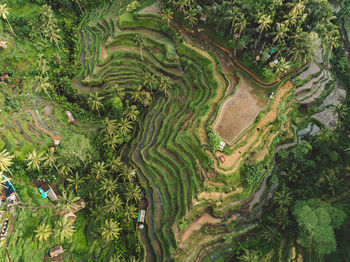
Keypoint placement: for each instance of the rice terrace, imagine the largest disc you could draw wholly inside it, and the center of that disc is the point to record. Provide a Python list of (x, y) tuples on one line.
[(179, 130)]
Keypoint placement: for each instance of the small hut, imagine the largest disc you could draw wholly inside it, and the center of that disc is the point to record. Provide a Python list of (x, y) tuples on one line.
[(47, 191), (70, 117), (56, 251), (3, 44)]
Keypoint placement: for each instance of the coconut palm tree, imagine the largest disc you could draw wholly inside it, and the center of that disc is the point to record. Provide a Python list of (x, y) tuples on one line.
[(332, 39), (140, 42), (333, 183), (116, 164), (110, 126), (191, 16), (35, 160), (133, 192), (4, 11), (264, 23), (128, 175), (281, 32), (43, 232), (137, 95), (130, 212), (54, 36), (94, 101), (282, 67), (64, 168), (99, 169), (124, 126), (75, 181), (165, 84), (110, 230), (231, 16), (108, 185), (241, 24), (167, 15), (111, 141), (271, 234), (283, 199), (113, 204), (298, 8), (64, 229), (50, 160), (148, 81), (5, 160), (42, 84), (67, 202), (341, 110), (132, 113)]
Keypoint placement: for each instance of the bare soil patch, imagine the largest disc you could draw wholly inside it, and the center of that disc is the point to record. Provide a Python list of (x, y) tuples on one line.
[(152, 9), (199, 223), (238, 112)]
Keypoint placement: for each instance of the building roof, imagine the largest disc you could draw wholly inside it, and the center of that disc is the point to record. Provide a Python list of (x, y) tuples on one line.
[(70, 216), (141, 217), (80, 204), (55, 251)]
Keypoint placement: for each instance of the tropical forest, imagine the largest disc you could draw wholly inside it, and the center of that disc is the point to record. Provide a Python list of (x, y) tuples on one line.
[(175, 130)]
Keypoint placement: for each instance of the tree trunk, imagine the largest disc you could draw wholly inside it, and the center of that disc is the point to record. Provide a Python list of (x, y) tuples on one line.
[(10, 27), (79, 6)]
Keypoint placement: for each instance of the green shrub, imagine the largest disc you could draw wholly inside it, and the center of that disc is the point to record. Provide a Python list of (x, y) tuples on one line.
[(214, 139)]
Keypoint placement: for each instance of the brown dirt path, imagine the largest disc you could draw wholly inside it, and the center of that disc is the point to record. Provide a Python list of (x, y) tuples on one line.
[(232, 159), (54, 138)]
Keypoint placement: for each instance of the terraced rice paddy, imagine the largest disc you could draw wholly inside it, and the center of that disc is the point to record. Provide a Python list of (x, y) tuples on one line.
[(170, 149)]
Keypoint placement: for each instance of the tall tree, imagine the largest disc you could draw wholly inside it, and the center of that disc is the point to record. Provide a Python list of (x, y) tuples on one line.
[(99, 169), (94, 101), (130, 211), (75, 181), (4, 11), (113, 204), (264, 23), (66, 202), (132, 113), (124, 126), (35, 160), (167, 15), (5, 160), (165, 84), (43, 232), (133, 192), (64, 229), (108, 186), (110, 230)]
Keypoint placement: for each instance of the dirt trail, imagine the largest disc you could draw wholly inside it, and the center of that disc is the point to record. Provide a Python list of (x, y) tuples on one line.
[(221, 91), (197, 224), (268, 117), (56, 139)]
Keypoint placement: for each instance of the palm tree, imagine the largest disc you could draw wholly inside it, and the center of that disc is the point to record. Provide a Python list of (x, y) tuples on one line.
[(132, 113), (99, 169), (231, 16), (282, 67), (130, 212), (50, 160), (110, 126), (108, 185), (128, 175), (341, 110), (54, 36), (264, 23), (42, 84), (137, 95), (116, 164), (94, 101), (35, 160), (283, 199), (75, 181), (5, 160), (250, 256), (113, 204), (298, 8), (148, 81), (167, 15), (4, 11), (66, 203), (64, 229), (138, 39), (281, 32), (165, 84), (133, 192), (241, 24), (64, 168), (333, 183), (191, 16), (43, 232), (124, 126), (110, 230), (111, 141), (332, 39), (271, 234)]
